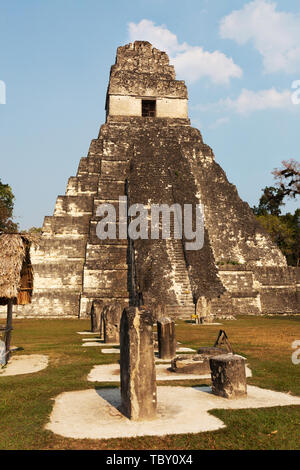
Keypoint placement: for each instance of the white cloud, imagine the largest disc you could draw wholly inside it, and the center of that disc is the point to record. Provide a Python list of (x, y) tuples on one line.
[(159, 36), (195, 63), (191, 62), (275, 34), (219, 122), (250, 101)]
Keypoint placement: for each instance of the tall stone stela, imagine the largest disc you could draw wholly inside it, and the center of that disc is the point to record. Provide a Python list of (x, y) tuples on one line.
[(166, 338), (148, 151), (137, 367)]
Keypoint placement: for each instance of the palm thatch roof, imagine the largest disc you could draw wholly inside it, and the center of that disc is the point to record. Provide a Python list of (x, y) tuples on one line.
[(14, 252)]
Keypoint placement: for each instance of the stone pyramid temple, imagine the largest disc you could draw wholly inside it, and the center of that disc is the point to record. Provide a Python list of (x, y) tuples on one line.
[(148, 151)]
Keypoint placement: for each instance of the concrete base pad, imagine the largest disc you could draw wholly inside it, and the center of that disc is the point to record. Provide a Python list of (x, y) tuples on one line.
[(87, 333), (25, 364), (179, 350), (98, 343), (94, 414), (110, 351), (111, 373), (117, 351), (92, 338)]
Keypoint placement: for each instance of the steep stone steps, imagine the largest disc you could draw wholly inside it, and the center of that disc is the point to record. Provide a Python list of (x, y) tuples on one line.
[(179, 311), (180, 280)]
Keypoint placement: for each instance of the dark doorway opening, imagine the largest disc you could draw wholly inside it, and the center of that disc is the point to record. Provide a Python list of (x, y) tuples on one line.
[(148, 108)]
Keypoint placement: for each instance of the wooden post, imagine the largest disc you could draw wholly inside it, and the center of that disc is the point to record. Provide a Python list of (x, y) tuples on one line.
[(8, 328)]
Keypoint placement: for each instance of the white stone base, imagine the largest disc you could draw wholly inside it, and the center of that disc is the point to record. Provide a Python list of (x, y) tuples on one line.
[(94, 414), (111, 373), (87, 333), (98, 343), (110, 351), (25, 364)]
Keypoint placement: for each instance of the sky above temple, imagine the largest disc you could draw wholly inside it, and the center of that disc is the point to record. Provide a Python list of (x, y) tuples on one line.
[(239, 58)]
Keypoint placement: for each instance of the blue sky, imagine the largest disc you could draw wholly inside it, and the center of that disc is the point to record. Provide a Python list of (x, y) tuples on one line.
[(239, 59)]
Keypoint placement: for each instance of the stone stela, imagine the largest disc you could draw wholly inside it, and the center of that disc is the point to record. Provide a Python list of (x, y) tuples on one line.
[(137, 366), (166, 338), (96, 311), (111, 322)]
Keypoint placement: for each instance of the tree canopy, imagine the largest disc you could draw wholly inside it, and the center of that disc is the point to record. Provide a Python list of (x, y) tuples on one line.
[(283, 229), (288, 177), (6, 209)]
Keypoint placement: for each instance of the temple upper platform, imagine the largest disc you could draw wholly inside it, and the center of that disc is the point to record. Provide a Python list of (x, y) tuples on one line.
[(143, 83)]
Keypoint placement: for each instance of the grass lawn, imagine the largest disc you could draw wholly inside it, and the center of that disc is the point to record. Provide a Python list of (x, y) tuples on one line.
[(26, 400)]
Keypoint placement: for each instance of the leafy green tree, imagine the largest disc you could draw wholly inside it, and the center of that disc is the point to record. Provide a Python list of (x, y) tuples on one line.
[(281, 232), (36, 230), (6, 209), (293, 221), (283, 229), (270, 202)]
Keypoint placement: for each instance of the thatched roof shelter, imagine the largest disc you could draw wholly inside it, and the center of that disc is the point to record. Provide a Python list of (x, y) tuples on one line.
[(16, 280)]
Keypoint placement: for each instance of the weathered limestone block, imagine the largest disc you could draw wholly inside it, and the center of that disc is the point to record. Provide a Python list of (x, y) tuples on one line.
[(228, 374), (166, 338), (195, 363), (137, 367), (74, 206), (51, 303), (111, 322), (191, 364), (78, 185)]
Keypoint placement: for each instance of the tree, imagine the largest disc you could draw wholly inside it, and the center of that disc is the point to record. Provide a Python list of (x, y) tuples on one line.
[(293, 221), (288, 177), (281, 232), (6, 209), (283, 229), (270, 201), (36, 230)]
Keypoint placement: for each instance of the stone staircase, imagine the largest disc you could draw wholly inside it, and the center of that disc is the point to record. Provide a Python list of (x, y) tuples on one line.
[(185, 306)]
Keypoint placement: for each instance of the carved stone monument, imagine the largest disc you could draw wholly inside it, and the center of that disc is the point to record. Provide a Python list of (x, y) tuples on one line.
[(228, 374), (137, 367), (96, 316), (111, 322), (166, 338)]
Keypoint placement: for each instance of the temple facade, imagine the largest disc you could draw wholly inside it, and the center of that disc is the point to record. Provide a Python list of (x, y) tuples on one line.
[(148, 152)]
